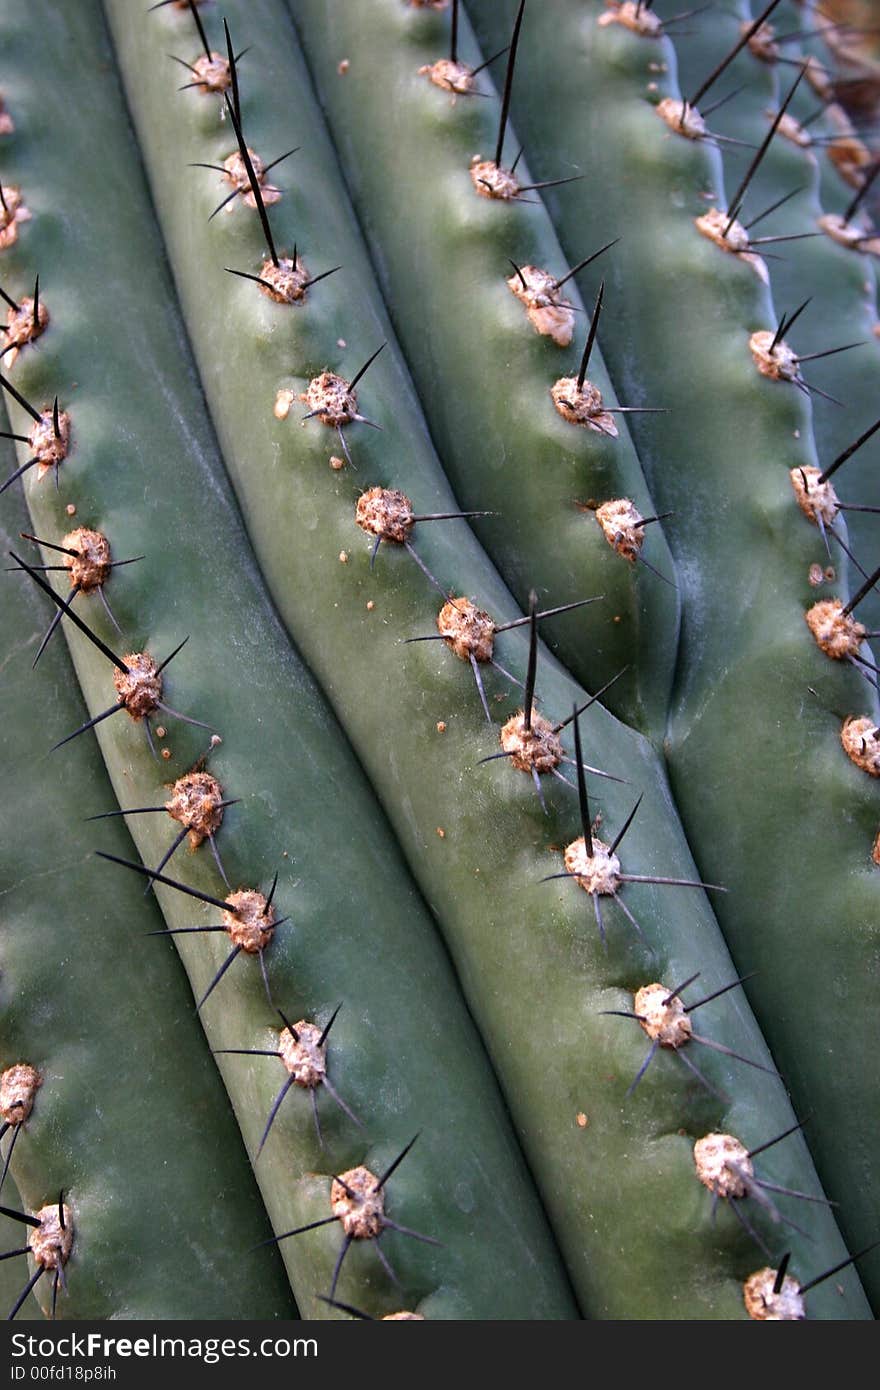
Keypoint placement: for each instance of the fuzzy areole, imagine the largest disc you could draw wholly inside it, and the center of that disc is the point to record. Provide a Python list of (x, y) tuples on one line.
[(90, 566), (725, 231), (582, 405), (304, 1055), (449, 76), (780, 364), (51, 1242), (212, 73), (791, 129), (48, 446), (731, 236), (285, 283), (722, 1165), (466, 629), (664, 1019), (762, 43), (237, 175), (491, 180), (764, 1305), (860, 737), (622, 526), (196, 801), (330, 398), (681, 118), (598, 872), (249, 920), (837, 634), (21, 328), (638, 18), (850, 234), (550, 316), (817, 500), (359, 1203), (18, 1087), (385, 512), (12, 212), (140, 687), (851, 158), (537, 748)]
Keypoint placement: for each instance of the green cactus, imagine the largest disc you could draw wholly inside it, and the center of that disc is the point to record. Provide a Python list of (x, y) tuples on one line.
[(407, 813)]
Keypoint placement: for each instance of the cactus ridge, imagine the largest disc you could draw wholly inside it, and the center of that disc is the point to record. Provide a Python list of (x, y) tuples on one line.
[(494, 836)]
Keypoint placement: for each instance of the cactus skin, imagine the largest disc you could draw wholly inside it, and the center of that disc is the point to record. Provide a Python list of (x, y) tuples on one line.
[(483, 372), (359, 933), (737, 809), (482, 876), (144, 1147)]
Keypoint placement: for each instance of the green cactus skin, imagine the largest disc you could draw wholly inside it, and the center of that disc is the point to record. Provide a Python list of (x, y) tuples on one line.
[(621, 1191), (483, 372), (144, 468), (795, 850), (130, 1119)]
